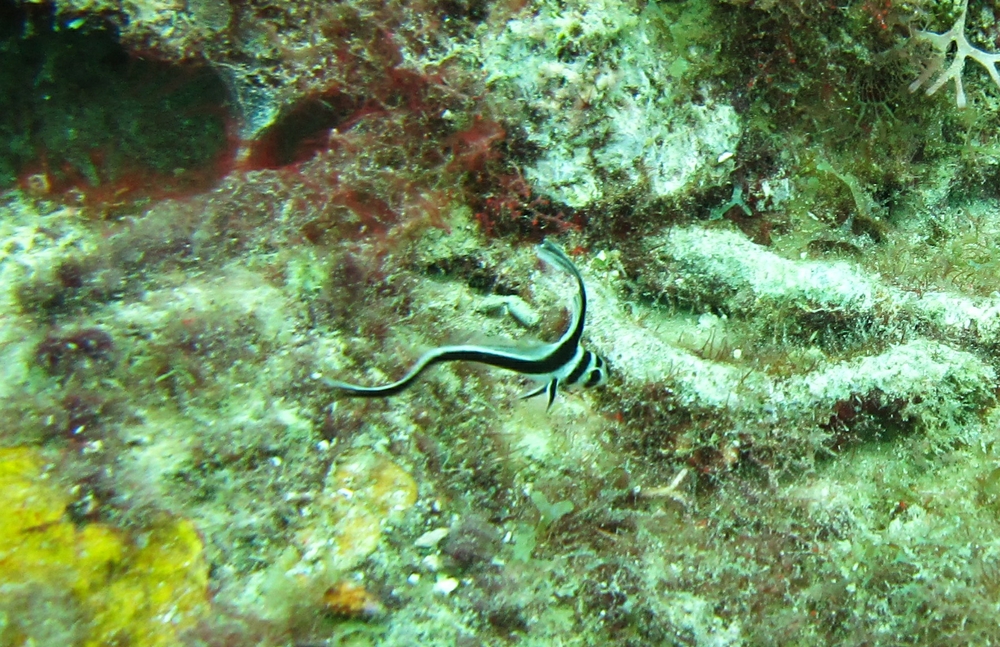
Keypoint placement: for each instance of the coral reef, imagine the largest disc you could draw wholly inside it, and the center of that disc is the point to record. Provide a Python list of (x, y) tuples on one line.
[(211, 208)]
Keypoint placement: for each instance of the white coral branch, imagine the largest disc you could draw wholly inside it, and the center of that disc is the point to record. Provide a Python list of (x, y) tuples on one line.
[(963, 50)]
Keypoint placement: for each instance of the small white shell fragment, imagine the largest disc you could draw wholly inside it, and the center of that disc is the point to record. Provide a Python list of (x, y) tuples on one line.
[(92, 447), (493, 304), (432, 563), (514, 306), (445, 585), (725, 157), (522, 312), (431, 538)]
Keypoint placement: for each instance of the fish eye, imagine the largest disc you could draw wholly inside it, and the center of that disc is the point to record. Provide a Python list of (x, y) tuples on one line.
[(597, 377)]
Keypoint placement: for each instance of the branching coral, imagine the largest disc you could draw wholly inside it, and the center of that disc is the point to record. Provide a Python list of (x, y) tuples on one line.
[(963, 49)]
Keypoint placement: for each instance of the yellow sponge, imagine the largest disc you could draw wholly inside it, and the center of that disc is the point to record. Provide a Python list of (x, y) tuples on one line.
[(143, 592)]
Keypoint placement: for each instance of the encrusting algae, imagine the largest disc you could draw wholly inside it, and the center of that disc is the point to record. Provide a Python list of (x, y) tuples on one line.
[(363, 492), (109, 588)]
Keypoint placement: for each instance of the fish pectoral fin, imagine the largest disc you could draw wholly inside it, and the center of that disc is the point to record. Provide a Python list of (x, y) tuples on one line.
[(533, 392), (551, 388)]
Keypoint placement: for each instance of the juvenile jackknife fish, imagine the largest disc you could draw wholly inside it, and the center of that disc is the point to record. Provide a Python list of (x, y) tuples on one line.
[(563, 363)]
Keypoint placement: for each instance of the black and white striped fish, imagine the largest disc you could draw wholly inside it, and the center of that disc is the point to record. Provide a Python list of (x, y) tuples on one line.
[(560, 364)]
